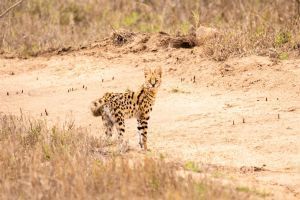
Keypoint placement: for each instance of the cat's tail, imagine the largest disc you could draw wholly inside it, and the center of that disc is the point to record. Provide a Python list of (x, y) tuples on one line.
[(97, 107)]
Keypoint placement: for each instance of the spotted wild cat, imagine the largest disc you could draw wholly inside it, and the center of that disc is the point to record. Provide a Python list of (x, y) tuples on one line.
[(116, 107)]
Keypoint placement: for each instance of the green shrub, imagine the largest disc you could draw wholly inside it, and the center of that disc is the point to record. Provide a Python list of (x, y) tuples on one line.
[(282, 38)]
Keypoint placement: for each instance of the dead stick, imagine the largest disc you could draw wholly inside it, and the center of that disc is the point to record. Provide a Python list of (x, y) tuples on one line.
[(298, 3), (113, 28), (10, 8)]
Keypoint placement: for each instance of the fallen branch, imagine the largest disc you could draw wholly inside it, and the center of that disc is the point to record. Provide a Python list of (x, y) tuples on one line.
[(10, 8)]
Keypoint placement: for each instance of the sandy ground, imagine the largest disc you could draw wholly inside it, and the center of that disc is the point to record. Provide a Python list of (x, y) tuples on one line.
[(242, 116)]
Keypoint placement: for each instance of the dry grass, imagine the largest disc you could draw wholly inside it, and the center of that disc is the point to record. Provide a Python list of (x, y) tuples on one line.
[(41, 162), (247, 26)]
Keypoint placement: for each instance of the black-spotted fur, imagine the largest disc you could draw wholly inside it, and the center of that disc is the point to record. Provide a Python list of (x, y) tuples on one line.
[(116, 107)]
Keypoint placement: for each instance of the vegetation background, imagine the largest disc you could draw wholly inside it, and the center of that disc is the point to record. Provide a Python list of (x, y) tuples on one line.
[(38, 161), (248, 26)]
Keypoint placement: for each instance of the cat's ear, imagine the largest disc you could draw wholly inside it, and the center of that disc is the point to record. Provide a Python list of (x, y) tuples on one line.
[(158, 71), (147, 71)]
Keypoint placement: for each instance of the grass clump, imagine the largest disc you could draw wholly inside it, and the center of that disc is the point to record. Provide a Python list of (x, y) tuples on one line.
[(283, 56), (39, 161), (192, 166), (250, 191), (282, 38)]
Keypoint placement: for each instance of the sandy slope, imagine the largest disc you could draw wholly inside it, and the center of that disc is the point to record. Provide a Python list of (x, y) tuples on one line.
[(191, 121)]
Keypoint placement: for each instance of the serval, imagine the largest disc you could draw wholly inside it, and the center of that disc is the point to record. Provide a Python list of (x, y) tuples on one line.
[(114, 108)]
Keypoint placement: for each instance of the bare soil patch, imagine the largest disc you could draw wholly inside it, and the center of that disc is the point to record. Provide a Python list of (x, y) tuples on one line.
[(238, 118)]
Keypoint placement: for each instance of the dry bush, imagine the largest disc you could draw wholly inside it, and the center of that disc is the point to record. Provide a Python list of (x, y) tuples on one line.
[(41, 162), (247, 26)]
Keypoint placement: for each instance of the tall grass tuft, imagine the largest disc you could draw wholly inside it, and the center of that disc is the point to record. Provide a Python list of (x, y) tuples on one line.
[(38, 161)]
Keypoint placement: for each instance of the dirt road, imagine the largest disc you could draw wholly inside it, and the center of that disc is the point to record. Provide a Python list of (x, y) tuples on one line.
[(240, 117)]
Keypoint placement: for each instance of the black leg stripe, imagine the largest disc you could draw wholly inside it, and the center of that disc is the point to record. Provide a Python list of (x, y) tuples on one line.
[(144, 123), (144, 134), (147, 118), (142, 127), (122, 129)]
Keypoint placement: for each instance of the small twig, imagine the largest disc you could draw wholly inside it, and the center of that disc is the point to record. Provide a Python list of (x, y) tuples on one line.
[(298, 7), (10, 8), (21, 113), (114, 30)]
